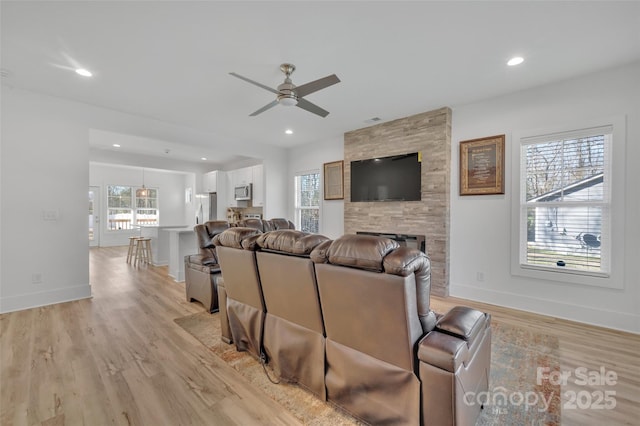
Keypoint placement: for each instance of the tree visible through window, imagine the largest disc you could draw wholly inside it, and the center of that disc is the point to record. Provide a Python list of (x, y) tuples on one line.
[(564, 215), (121, 213), (307, 202)]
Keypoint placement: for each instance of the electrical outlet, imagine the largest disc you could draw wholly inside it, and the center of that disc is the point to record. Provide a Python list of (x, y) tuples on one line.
[(480, 276), (36, 278), (50, 215)]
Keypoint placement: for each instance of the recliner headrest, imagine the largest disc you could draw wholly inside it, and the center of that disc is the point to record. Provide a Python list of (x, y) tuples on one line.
[(235, 237), (281, 223), (252, 223), (215, 227), (359, 251), (206, 231), (290, 241)]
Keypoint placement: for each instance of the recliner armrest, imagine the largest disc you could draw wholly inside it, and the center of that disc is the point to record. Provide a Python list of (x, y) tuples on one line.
[(443, 351), (462, 322), (455, 338), (197, 262)]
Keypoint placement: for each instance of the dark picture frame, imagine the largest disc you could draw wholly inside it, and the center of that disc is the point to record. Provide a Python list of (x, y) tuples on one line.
[(482, 166), (334, 180)]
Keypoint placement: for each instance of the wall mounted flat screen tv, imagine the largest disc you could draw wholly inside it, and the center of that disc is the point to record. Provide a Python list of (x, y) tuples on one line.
[(395, 178)]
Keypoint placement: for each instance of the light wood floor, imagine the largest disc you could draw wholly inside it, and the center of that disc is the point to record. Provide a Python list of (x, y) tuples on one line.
[(584, 347), (119, 358)]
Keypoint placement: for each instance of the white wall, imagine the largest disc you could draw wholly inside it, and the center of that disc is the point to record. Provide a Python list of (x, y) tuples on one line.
[(275, 184), (171, 196), (312, 157), (45, 167), (480, 225)]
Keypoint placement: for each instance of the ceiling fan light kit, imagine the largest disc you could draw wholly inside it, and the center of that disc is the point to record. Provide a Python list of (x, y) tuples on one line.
[(288, 94)]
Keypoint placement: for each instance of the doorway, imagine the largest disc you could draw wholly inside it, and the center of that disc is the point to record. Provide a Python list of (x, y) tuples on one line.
[(94, 216)]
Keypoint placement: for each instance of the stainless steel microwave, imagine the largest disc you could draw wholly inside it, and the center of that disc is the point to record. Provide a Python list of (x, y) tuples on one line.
[(242, 192)]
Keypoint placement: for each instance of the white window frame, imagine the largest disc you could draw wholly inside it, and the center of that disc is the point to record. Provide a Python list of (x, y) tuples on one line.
[(614, 250), (297, 208), (134, 209)]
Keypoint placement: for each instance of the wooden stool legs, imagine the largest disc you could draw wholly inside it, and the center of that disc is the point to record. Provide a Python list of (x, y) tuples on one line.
[(143, 251), (132, 248)]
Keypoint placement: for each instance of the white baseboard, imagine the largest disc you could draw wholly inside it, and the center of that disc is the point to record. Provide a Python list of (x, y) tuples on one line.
[(43, 298), (585, 314)]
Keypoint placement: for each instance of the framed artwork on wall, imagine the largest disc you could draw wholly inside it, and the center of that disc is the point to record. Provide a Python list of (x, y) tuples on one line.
[(334, 180), (482, 166)]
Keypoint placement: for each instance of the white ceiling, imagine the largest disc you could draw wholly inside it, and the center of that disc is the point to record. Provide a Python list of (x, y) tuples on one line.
[(171, 60)]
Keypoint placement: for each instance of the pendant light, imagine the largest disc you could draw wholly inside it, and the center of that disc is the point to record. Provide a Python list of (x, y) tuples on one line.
[(143, 193)]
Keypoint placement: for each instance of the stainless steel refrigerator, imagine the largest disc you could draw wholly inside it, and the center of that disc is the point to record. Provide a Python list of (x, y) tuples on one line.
[(206, 207), (213, 206)]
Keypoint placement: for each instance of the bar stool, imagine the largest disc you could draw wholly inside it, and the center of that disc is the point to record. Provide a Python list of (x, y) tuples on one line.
[(143, 251), (132, 248)]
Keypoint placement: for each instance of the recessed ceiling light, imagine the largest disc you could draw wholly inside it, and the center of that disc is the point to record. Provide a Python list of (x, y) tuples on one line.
[(116, 145), (289, 131), (516, 60), (83, 72), (203, 158)]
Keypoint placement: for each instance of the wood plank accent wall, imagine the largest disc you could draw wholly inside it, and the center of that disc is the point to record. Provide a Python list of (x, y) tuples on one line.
[(429, 133)]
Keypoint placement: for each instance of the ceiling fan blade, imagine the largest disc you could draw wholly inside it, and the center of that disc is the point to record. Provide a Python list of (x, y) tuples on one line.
[(308, 106), (264, 108), (255, 83), (316, 85)]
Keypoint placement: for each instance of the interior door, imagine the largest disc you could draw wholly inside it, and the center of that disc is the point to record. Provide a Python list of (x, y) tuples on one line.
[(94, 216)]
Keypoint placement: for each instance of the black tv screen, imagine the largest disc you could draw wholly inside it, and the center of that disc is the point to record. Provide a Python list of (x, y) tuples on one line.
[(395, 178)]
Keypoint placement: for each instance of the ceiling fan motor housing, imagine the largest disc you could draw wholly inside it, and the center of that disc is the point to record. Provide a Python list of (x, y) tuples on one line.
[(287, 96)]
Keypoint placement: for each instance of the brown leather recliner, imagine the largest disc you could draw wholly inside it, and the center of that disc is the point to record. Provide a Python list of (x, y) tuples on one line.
[(202, 269), (241, 301), (294, 339), (390, 360)]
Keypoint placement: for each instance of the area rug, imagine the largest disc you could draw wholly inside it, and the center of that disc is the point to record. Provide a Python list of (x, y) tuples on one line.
[(517, 394)]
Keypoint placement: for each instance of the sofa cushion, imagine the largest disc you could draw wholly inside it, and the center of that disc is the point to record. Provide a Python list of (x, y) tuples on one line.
[(290, 241), (233, 237), (320, 253), (361, 251), (250, 242)]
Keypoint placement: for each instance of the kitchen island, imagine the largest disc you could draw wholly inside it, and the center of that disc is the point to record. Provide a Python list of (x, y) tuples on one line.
[(169, 246)]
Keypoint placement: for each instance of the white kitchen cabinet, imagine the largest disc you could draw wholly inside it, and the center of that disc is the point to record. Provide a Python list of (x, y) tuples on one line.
[(243, 176), (257, 173), (231, 184), (210, 181)]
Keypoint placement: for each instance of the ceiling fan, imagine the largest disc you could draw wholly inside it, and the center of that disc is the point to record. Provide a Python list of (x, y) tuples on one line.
[(288, 94)]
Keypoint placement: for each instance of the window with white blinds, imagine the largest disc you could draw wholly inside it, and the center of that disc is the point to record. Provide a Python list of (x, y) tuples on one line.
[(565, 201), (307, 202)]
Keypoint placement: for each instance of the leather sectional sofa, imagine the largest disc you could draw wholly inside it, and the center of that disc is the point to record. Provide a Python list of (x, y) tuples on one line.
[(349, 320)]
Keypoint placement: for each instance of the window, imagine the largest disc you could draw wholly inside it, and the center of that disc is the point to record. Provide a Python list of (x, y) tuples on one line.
[(146, 206), (121, 213), (307, 202), (565, 202)]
